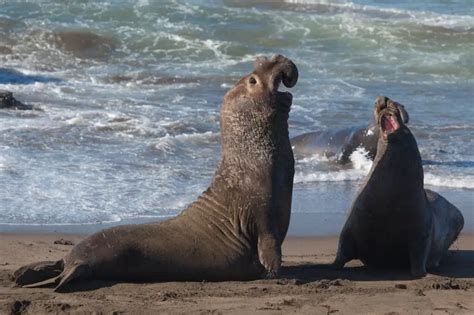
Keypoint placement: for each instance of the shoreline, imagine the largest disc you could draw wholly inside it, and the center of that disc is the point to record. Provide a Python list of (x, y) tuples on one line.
[(321, 224), (318, 209), (301, 224)]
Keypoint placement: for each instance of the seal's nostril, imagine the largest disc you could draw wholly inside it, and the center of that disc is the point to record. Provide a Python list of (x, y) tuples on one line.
[(252, 81), (278, 66)]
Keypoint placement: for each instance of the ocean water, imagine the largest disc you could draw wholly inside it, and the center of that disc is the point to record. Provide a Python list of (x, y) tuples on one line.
[(129, 94)]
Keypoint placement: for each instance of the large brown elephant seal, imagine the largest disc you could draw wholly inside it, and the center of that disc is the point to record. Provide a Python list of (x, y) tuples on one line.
[(234, 230), (394, 221), (341, 143)]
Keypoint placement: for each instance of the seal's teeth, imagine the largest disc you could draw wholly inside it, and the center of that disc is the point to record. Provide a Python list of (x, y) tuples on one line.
[(389, 123)]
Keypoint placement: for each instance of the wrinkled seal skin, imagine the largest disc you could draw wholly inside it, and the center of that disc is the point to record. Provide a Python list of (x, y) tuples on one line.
[(341, 143), (394, 221), (234, 230)]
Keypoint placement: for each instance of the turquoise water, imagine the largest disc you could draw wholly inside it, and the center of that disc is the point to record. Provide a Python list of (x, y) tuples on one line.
[(130, 91)]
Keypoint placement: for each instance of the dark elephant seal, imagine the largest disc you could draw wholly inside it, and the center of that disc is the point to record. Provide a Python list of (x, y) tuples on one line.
[(394, 221), (234, 230), (341, 143), (8, 101)]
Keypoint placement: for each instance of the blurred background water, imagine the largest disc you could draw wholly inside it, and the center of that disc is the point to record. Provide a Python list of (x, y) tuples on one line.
[(130, 92)]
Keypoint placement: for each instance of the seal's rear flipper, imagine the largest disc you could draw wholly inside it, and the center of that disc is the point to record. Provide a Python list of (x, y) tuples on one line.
[(76, 271), (60, 280), (38, 272), (46, 283)]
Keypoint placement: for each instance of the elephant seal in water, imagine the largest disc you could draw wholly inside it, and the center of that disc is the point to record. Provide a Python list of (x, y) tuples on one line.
[(8, 101), (394, 221), (234, 230), (340, 143)]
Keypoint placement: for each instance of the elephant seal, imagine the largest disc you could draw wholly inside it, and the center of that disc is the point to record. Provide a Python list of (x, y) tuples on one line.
[(234, 230), (341, 143), (394, 221), (8, 101)]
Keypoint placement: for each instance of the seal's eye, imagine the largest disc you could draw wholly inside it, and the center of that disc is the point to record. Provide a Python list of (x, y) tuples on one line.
[(252, 81)]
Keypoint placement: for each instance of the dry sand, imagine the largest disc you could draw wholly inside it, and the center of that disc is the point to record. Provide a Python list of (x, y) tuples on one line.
[(306, 285)]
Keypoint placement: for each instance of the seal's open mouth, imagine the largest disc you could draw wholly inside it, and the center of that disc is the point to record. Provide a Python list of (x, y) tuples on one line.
[(389, 124)]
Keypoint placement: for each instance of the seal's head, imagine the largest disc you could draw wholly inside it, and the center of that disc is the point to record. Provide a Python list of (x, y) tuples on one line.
[(391, 117), (254, 108), (258, 91)]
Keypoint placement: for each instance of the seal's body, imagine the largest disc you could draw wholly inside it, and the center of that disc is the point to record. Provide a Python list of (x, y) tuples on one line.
[(8, 101), (341, 143), (394, 221), (234, 230)]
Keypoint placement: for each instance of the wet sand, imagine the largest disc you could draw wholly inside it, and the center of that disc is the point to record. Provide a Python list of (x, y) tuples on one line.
[(306, 285)]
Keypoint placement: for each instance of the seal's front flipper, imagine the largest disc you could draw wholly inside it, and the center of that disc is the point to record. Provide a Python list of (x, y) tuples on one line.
[(340, 261), (346, 249), (269, 254), (38, 272), (419, 251)]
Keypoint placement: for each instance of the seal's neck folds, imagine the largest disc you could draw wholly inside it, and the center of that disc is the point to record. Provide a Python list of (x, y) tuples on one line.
[(249, 137), (399, 157), (254, 120)]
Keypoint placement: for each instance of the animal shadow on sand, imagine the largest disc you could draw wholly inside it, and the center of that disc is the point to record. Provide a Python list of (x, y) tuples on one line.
[(456, 264)]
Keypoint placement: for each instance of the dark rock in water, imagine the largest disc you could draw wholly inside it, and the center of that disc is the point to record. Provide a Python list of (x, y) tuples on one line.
[(5, 50), (85, 44), (8, 101)]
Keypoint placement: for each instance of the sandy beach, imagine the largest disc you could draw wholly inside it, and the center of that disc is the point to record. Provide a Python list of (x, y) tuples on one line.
[(306, 285)]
